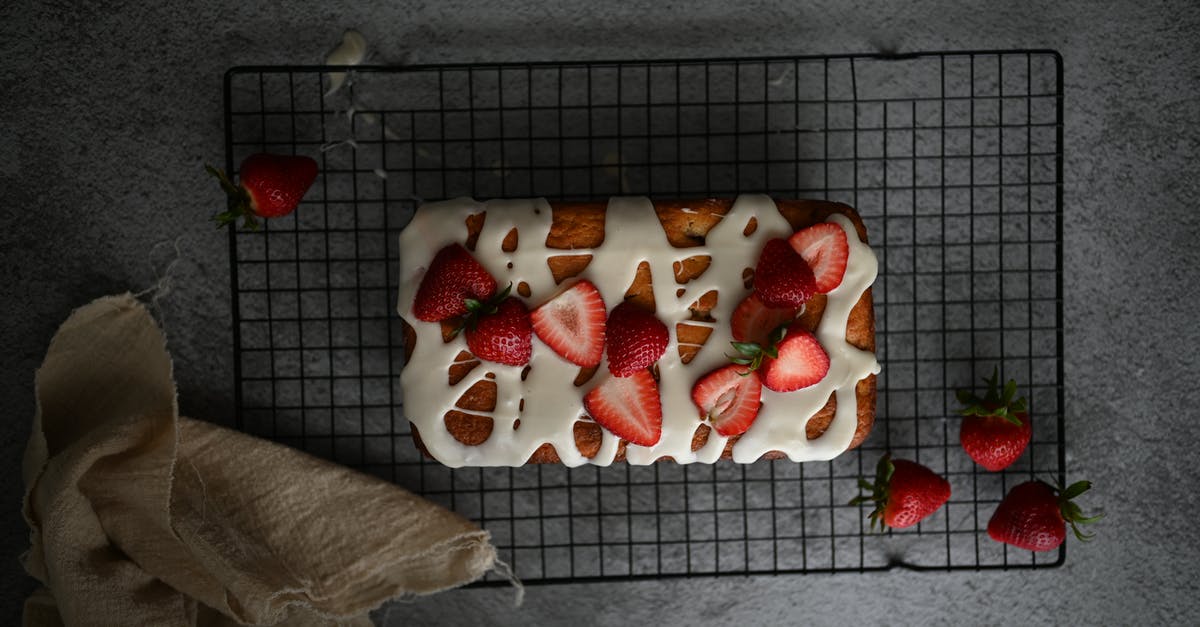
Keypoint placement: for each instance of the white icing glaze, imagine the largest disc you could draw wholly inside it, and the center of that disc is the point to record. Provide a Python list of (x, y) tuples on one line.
[(552, 403), (351, 51)]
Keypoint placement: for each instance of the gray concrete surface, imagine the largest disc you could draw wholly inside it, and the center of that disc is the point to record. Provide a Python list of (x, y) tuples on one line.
[(109, 114)]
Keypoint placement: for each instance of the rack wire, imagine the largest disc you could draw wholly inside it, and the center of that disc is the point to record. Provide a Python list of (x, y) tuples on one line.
[(954, 160)]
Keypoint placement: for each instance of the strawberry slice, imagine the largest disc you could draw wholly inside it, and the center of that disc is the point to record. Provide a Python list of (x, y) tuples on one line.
[(572, 324), (782, 278), (801, 362), (636, 339), (753, 321), (453, 277), (825, 248), (629, 407), (730, 396)]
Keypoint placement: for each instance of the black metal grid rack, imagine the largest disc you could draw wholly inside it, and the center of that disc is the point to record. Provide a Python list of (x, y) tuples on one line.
[(954, 161)]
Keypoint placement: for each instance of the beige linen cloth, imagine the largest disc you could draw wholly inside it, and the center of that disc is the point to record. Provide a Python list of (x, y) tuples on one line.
[(141, 517)]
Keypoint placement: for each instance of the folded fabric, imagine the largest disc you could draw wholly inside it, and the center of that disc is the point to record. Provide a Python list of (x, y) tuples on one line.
[(139, 516)]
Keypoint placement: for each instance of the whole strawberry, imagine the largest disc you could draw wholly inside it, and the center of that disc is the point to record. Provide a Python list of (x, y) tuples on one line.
[(270, 186), (995, 429), (636, 339), (1034, 516), (904, 493), (453, 279), (502, 333), (782, 277)]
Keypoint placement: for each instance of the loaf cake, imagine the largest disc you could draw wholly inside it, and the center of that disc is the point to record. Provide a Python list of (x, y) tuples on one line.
[(686, 264)]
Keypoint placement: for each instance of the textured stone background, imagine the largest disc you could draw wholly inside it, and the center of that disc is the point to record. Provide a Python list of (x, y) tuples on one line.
[(110, 113)]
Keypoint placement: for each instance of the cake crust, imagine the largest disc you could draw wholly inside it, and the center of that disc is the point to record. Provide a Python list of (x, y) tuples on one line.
[(685, 223)]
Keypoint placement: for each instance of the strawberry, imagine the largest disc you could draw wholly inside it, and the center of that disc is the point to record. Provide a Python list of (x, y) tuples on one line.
[(904, 493), (1034, 516), (629, 407), (753, 355), (995, 429), (801, 362), (825, 248), (270, 186), (453, 277), (502, 333), (752, 321), (729, 396), (789, 360), (636, 339), (782, 278), (572, 324)]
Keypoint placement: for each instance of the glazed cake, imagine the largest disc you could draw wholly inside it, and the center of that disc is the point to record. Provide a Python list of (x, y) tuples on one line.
[(690, 264)]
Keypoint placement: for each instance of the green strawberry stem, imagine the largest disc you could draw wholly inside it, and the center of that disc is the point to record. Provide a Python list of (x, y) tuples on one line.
[(879, 491), (1071, 512), (238, 202), (477, 309), (993, 403), (751, 355)]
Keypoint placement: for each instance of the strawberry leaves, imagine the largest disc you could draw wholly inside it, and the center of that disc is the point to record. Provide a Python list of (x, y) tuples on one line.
[(1072, 513), (238, 201), (477, 309), (993, 402), (878, 491), (752, 354)]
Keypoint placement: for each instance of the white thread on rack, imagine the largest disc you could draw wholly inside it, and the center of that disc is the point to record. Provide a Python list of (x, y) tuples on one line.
[(161, 287), (500, 567)]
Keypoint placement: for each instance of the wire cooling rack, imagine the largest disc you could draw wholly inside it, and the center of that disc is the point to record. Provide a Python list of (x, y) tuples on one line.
[(954, 161)]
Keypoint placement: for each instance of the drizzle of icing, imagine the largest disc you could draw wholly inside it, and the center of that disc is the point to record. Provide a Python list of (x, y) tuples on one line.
[(547, 402), (351, 51)]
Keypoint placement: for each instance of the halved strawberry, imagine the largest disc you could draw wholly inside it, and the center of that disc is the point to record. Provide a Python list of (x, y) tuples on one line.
[(825, 248), (453, 277), (729, 396), (782, 278), (801, 362), (636, 339), (629, 407), (572, 324), (753, 321)]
